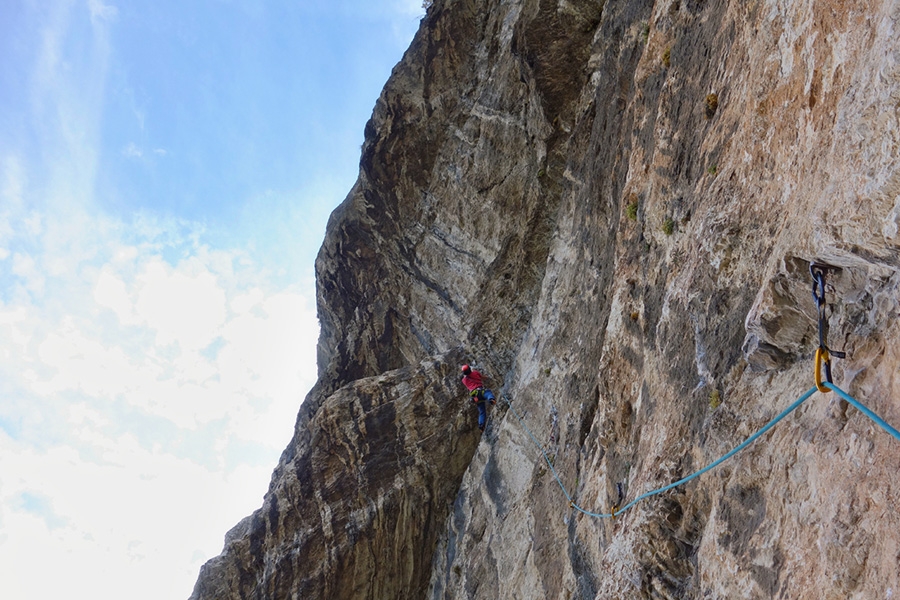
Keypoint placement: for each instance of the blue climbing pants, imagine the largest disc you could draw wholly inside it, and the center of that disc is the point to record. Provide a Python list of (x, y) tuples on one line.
[(481, 401), (482, 413)]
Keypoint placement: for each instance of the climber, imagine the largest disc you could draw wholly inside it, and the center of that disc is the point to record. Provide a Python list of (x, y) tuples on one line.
[(475, 384)]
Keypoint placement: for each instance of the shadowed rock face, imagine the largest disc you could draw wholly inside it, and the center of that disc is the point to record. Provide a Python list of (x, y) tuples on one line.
[(612, 208), (356, 512)]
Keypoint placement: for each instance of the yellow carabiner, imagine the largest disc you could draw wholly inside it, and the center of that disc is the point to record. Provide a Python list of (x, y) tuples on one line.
[(821, 356), (615, 508)]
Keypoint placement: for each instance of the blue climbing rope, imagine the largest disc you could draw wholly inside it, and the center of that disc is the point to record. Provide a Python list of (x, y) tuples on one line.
[(617, 511), (823, 359), (864, 410), (541, 448)]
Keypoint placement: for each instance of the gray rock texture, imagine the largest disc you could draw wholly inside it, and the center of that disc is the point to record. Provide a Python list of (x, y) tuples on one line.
[(611, 208)]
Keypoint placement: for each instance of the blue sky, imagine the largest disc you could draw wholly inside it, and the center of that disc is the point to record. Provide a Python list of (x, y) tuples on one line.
[(166, 172)]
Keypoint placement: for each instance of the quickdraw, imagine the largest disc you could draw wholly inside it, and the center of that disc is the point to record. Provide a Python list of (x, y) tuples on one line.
[(619, 501), (823, 353)]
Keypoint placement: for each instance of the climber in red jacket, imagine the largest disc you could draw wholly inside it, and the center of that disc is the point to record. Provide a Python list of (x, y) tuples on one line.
[(475, 384)]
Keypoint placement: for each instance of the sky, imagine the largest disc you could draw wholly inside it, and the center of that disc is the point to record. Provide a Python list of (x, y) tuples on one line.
[(167, 168)]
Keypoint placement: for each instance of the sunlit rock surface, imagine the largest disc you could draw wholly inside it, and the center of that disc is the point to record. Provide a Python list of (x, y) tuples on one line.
[(611, 208)]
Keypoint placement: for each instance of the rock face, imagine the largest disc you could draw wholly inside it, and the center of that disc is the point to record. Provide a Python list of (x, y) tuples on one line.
[(360, 496), (610, 207)]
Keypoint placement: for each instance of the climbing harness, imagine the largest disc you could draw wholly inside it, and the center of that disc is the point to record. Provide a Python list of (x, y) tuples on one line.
[(823, 353), (823, 358)]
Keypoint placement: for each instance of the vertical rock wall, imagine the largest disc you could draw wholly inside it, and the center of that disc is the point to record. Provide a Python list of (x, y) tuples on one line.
[(357, 504), (611, 207)]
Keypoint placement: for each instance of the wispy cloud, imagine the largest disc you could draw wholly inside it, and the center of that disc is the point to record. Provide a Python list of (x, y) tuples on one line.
[(134, 359), (102, 13), (66, 95), (39, 506), (61, 512), (132, 150), (151, 366), (131, 375)]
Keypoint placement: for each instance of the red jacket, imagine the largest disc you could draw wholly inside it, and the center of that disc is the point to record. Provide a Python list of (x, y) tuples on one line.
[(472, 381)]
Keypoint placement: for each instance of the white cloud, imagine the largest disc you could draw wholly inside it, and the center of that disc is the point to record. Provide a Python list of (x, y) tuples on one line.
[(10, 191), (414, 8), (50, 53), (140, 115), (148, 380), (132, 151), (33, 224), (185, 306), (129, 381), (23, 265), (156, 353), (142, 522), (80, 364), (66, 95), (102, 12), (112, 293)]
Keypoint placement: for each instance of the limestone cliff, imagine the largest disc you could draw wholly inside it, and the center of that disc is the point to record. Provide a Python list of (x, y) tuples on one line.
[(611, 208)]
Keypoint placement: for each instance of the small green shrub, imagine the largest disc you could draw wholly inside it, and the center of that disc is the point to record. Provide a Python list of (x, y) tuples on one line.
[(712, 169), (668, 226), (714, 399), (631, 210), (667, 57)]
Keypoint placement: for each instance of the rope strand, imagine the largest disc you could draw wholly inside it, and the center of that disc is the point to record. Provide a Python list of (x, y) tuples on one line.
[(859, 406), (797, 403)]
